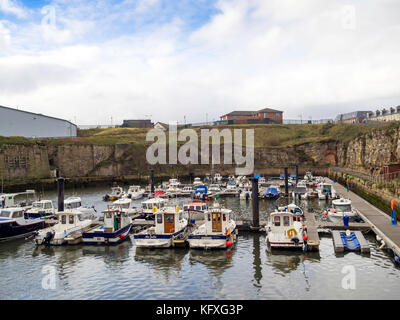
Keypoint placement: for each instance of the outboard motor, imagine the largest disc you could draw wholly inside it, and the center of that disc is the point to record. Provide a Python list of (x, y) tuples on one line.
[(48, 237), (295, 240)]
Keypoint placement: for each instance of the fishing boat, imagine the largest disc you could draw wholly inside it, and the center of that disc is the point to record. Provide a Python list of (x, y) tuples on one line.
[(195, 210), (197, 181), (295, 209), (326, 191), (170, 224), (283, 231), (14, 224), (149, 205), (43, 209), (262, 182), (187, 191), (201, 192), (68, 230), (214, 188), (340, 208), (300, 191), (231, 189), (135, 192), (217, 177), (116, 193), (75, 204), (271, 193), (217, 232), (116, 228), (19, 199)]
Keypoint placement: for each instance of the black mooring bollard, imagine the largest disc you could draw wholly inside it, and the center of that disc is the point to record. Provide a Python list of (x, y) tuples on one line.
[(60, 185), (297, 174), (254, 200), (286, 182), (152, 181)]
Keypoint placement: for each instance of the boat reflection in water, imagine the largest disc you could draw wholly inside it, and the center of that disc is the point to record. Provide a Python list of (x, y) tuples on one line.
[(112, 255), (164, 262), (285, 261), (216, 261)]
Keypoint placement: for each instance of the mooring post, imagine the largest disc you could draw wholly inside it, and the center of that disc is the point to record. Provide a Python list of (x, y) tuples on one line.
[(60, 184), (191, 177), (152, 181), (297, 174), (286, 182), (254, 200)]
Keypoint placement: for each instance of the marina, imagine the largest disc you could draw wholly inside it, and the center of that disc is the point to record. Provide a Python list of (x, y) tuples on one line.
[(322, 245)]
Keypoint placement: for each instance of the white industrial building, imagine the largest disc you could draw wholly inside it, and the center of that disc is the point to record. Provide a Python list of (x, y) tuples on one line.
[(14, 122)]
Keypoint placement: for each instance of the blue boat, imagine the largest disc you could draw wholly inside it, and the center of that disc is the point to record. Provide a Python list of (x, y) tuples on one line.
[(200, 192), (271, 193), (14, 224)]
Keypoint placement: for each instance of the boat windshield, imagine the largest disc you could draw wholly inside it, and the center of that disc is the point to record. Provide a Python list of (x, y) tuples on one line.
[(327, 188), (342, 207), (4, 214), (72, 205), (37, 205)]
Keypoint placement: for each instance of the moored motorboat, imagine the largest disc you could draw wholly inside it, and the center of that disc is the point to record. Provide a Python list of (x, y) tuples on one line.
[(340, 208), (135, 192), (217, 232), (295, 209), (75, 204), (116, 227), (42, 209), (271, 193), (69, 229), (197, 181), (116, 193), (326, 191), (150, 206), (19, 199), (170, 225), (283, 231), (14, 224)]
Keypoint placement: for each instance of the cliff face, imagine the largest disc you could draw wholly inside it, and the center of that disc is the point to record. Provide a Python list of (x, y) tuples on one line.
[(370, 152), (367, 153)]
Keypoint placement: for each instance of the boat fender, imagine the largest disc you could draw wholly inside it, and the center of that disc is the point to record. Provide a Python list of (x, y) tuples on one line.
[(396, 259), (383, 244)]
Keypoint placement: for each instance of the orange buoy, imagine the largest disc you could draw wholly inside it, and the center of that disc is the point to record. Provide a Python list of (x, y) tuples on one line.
[(326, 213), (228, 244), (305, 237)]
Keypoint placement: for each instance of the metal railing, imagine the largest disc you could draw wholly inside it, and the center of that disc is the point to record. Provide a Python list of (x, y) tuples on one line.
[(379, 178)]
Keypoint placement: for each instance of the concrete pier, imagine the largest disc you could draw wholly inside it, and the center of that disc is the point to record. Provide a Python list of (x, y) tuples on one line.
[(377, 219)]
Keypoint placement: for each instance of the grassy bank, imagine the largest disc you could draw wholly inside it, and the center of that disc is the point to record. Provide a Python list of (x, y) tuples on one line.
[(266, 135)]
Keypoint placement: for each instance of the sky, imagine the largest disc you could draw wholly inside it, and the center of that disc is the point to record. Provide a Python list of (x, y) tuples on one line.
[(102, 61)]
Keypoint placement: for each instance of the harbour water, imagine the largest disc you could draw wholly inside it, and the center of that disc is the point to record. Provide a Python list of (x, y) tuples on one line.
[(247, 271)]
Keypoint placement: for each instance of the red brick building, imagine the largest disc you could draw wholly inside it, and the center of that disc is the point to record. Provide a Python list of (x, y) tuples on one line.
[(272, 115)]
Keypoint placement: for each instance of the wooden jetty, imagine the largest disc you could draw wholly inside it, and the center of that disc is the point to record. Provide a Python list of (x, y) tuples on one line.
[(312, 231), (379, 221)]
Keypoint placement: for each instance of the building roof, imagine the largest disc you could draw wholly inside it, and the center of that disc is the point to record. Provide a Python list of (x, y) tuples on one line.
[(38, 114), (250, 113), (351, 115)]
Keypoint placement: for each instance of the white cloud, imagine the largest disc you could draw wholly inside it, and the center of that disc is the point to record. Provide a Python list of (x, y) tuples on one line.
[(284, 54), (11, 7)]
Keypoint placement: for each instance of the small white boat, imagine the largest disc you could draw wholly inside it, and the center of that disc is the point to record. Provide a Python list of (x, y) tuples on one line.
[(308, 176), (69, 229), (14, 224), (326, 191), (300, 191), (341, 207), (231, 189), (283, 231), (195, 210), (116, 227), (19, 199), (214, 188), (151, 205), (170, 224), (262, 182), (75, 204), (197, 181), (116, 193), (295, 209), (135, 192), (42, 209), (217, 232), (217, 177), (187, 191)]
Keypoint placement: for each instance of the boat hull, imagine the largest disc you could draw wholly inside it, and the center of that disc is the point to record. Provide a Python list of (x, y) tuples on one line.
[(146, 240), (102, 238), (13, 230)]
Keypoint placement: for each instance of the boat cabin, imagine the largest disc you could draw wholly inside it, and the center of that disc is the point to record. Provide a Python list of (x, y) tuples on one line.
[(217, 220), (134, 189), (21, 199), (11, 213), (195, 206), (325, 187), (281, 220), (342, 205), (122, 203), (70, 219), (72, 203), (168, 220), (149, 204), (115, 219), (116, 191)]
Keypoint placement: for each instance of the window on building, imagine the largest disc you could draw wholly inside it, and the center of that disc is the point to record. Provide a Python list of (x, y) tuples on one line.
[(278, 114)]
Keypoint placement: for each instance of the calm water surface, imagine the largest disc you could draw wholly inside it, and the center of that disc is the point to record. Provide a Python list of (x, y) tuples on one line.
[(246, 272)]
